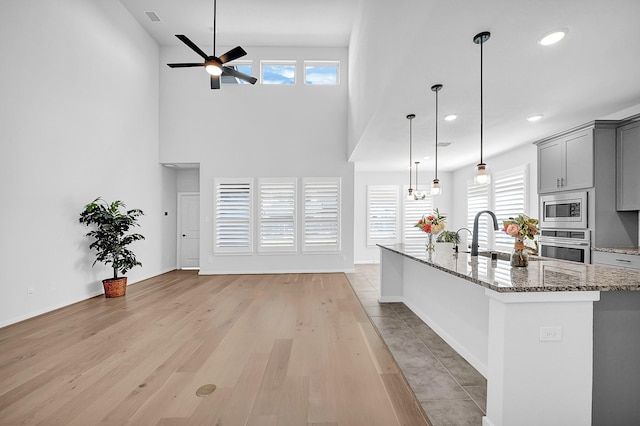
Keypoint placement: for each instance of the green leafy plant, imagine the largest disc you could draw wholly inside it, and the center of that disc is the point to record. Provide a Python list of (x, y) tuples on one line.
[(111, 233), (448, 237)]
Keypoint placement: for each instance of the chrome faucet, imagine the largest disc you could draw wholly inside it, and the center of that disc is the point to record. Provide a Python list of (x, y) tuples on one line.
[(474, 242), (458, 236)]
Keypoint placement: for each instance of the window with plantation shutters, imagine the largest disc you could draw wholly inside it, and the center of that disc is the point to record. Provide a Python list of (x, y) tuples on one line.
[(233, 216), (478, 200), (382, 214), (414, 238), (277, 217), (321, 216), (510, 200)]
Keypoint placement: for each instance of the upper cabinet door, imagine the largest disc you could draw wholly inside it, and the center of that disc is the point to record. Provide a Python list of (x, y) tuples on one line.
[(578, 160), (566, 163), (628, 167), (549, 166)]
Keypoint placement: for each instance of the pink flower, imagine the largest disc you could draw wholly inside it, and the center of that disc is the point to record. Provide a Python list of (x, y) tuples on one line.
[(513, 230)]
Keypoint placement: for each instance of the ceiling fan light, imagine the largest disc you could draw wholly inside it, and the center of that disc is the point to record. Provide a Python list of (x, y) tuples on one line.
[(213, 68)]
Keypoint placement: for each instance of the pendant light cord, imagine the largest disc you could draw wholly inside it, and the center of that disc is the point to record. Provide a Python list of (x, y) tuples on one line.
[(410, 148), (436, 134), (481, 103)]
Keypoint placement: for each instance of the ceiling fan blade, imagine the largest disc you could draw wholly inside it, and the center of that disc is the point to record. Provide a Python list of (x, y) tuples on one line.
[(235, 53), (215, 81), (238, 74), (185, 40), (185, 65)]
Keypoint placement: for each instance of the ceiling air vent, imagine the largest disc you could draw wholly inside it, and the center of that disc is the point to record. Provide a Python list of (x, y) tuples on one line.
[(443, 144), (153, 17)]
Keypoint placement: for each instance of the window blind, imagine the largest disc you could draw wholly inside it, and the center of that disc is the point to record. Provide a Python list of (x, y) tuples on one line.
[(321, 230), (510, 200), (233, 216), (277, 230), (414, 238), (478, 200), (382, 214)]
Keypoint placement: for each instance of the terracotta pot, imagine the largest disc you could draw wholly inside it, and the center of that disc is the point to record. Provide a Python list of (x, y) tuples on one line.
[(115, 287)]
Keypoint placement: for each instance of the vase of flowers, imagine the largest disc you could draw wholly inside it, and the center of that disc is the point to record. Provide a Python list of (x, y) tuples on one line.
[(522, 228), (432, 224)]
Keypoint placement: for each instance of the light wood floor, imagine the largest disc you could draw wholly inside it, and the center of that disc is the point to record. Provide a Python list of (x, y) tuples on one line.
[(294, 349)]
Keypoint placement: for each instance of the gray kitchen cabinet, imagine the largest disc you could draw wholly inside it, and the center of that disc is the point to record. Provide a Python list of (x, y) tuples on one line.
[(566, 163), (628, 167)]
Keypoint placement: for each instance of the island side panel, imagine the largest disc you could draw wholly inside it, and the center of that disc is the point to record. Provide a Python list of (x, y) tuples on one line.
[(391, 276), (535, 382), (456, 309), (616, 359)]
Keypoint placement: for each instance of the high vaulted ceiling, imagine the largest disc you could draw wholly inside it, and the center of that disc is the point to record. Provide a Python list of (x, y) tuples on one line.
[(593, 73)]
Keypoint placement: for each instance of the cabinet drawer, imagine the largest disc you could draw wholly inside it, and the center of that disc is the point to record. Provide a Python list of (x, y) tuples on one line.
[(614, 259)]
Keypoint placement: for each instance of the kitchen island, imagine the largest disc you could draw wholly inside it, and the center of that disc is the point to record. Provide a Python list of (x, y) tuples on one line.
[(557, 341)]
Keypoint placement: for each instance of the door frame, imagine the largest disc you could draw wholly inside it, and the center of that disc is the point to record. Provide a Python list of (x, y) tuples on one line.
[(179, 230)]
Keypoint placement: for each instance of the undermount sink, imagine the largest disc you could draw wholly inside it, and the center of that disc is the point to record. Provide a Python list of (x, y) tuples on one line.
[(502, 255)]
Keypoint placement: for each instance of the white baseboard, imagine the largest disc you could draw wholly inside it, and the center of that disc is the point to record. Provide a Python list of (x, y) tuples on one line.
[(391, 299)]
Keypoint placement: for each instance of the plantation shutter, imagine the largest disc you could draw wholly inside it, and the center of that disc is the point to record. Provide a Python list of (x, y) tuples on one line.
[(277, 231), (478, 200), (382, 214), (415, 239), (233, 216), (321, 230), (510, 200)]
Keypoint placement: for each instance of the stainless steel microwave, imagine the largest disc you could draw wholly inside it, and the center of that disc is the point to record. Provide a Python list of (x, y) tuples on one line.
[(564, 210)]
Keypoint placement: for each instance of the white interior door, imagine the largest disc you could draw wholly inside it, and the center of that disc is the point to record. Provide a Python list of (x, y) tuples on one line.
[(189, 230)]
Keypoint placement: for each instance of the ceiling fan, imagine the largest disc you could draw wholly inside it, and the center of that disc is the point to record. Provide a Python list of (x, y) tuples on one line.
[(215, 65)]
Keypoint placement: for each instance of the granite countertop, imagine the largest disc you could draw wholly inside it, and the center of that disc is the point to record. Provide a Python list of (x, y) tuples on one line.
[(618, 250), (542, 274)]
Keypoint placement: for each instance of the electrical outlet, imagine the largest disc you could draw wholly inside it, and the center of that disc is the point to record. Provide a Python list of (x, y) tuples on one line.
[(30, 291), (550, 334)]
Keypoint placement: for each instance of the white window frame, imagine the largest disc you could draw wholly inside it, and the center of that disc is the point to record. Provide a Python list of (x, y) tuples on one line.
[(383, 210), (495, 239), (412, 237), (320, 64), (276, 62), (288, 196), (309, 186), (218, 202)]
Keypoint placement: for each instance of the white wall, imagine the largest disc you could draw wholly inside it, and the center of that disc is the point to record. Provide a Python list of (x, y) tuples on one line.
[(443, 202), (79, 119), (258, 131)]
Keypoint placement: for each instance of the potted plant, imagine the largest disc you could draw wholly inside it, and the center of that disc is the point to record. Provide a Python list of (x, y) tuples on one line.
[(112, 237), (448, 239)]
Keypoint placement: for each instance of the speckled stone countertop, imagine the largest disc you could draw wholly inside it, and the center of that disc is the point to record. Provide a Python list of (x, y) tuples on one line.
[(618, 250), (542, 274)]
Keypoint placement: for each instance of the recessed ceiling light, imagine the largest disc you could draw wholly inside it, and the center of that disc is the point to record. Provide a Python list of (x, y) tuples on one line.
[(450, 117), (534, 117), (552, 37), (427, 158)]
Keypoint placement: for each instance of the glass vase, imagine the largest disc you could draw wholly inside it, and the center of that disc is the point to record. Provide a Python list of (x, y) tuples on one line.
[(519, 256), (430, 245)]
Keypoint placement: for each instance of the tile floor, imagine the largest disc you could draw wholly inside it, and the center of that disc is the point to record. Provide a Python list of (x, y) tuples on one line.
[(449, 389)]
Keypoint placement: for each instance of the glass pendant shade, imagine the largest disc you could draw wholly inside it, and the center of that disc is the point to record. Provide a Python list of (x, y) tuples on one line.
[(435, 187), (482, 176)]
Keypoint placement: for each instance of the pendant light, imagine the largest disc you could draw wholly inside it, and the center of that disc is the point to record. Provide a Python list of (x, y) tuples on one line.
[(435, 186), (410, 117), (417, 194), (482, 174)]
